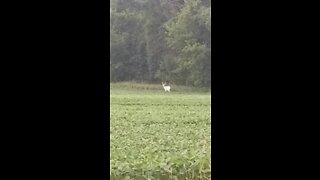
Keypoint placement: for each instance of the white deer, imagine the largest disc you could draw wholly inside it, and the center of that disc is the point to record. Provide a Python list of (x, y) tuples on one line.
[(166, 88)]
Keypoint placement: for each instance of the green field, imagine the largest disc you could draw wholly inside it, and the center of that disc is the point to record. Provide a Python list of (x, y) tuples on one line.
[(159, 135)]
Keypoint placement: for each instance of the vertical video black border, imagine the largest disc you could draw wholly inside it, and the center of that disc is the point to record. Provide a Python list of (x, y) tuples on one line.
[(217, 91)]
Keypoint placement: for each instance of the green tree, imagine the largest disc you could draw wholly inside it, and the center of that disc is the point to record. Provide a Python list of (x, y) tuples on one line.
[(128, 56), (188, 36), (153, 40)]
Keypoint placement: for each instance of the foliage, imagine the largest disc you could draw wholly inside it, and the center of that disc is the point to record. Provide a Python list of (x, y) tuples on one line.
[(157, 135), (159, 40)]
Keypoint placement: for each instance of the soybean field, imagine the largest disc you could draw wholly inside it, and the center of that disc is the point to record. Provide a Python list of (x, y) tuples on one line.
[(159, 135)]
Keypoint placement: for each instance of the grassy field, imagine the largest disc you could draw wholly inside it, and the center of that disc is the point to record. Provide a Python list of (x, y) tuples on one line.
[(159, 135)]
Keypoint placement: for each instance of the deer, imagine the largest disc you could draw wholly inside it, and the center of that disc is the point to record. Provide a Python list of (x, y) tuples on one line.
[(165, 87)]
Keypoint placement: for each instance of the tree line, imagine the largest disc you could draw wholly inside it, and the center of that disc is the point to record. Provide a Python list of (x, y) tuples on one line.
[(161, 40)]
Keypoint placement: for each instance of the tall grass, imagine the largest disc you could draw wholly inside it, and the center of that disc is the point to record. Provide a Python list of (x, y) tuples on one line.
[(156, 87)]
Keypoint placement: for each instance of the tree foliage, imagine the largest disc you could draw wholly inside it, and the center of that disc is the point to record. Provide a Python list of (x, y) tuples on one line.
[(159, 40)]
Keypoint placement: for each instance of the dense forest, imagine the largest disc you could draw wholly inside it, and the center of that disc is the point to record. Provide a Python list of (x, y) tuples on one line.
[(161, 40)]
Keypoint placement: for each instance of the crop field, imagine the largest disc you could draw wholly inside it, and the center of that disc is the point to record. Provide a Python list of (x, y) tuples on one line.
[(159, 135)]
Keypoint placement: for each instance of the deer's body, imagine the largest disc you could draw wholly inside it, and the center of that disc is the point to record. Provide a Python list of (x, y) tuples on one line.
[(166, 88)]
